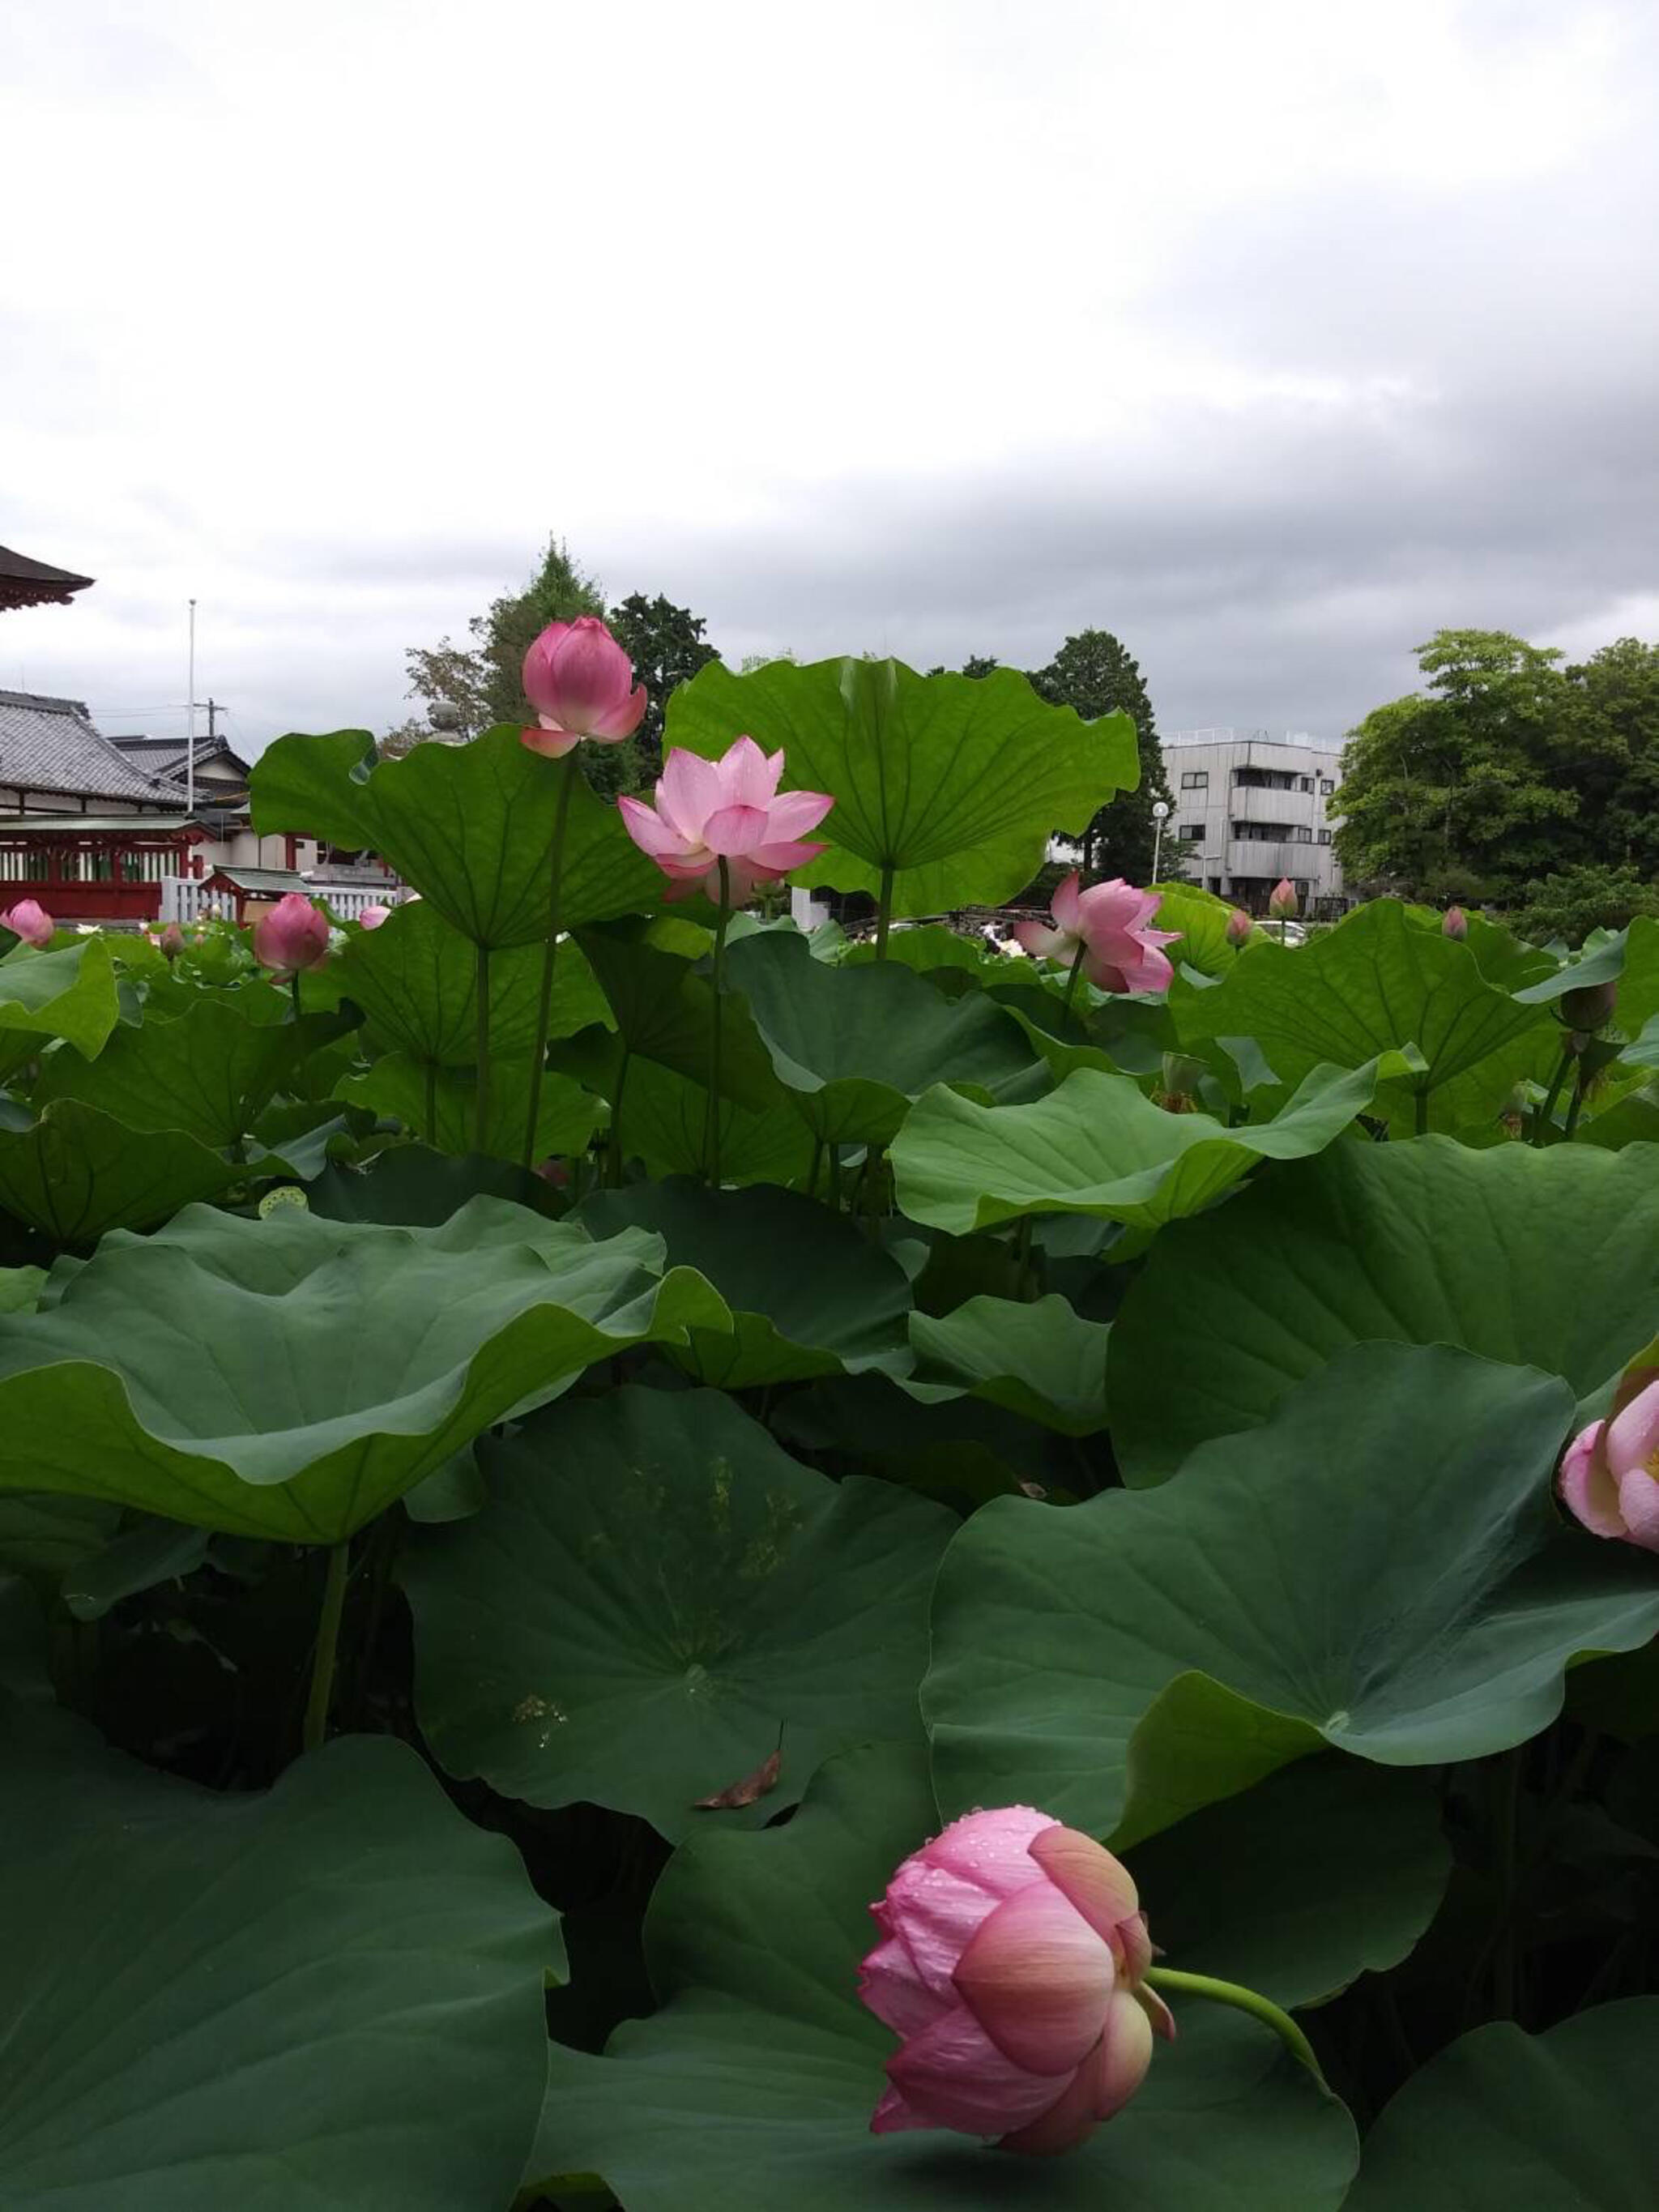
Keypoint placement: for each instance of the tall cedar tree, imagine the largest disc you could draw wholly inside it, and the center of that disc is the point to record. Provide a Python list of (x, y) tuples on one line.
[(1094, 672)]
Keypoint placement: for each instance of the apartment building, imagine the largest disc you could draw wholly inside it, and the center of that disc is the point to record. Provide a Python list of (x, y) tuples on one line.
[(1253, 808)]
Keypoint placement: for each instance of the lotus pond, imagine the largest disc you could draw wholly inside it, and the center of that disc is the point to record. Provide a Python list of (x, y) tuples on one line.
[(553, 1447)]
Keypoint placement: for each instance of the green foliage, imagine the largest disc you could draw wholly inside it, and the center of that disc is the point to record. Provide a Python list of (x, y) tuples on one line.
[(667, 646), (1121, 1406), (1511, 779), (1095, 674)]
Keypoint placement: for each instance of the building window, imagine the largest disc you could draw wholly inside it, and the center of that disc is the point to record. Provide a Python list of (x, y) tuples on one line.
[(1194, 831), (1303, 834), (1304, 783), (1327, 786), (1324, 836), (1195, 779)]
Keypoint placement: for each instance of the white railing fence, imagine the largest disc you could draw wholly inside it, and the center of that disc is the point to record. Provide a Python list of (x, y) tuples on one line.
[(185, 900)]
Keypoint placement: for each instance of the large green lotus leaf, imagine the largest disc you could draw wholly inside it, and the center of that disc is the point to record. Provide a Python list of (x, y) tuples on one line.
[(1202, 920), (1128, 1659), (1420, 1243), (1373, 984), (1326, 1870), (1628, 959), (76, 1172), (1098, 1145), (664, 1009), (289, 1378), (954, 961), (43, 1537), (754, 2085), (327, 1996), (207, 1071), (469, 826), (1502, 2120), (663, 1121), (1041, 1359), (955, 783), (68, 992), (408, 1186), (440, 1106), (655, 1600), (854, 1046), (417, 979), (842, 1312)]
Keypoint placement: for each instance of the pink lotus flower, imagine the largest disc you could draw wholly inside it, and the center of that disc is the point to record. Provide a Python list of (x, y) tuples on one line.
[(29, 920), (1455, 924), (170, 942), (1610, 1474), (1240, 928), (373, 916), (582, 684), (729, 810), (1283, 904), (1109, 919), (292, 936), (1011, 1964)]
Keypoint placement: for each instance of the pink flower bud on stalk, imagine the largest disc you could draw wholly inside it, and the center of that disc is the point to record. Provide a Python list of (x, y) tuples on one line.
[(170, 942), (292, 936), (29, 920), (1590, 1006), (1455, 924), (373, 916), (1012, 1964), (1109, 922), (1283, 904), (1240, 928), (729, 810), (582, 684), (1610, 1472)]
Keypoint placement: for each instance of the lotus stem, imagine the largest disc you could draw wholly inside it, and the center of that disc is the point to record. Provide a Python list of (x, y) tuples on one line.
[(883, 909), (566, 771), (1578, 1106), (817, 1163), (1071, 980), (328, 1643), (481, 1090), (432, 1104), (1545, 1116), (1242, 2000), (1421, 1104), (713, 1134), (294, 986), (613, 1151)]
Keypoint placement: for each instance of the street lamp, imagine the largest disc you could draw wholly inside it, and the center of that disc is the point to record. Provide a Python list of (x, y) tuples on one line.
[(1160, 816)]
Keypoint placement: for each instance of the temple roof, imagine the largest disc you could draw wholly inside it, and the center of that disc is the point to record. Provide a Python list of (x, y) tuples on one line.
[(26, 583), (50, 745)]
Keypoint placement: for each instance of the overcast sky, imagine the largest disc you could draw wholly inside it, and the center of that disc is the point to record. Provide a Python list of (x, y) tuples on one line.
[(1272, 338)]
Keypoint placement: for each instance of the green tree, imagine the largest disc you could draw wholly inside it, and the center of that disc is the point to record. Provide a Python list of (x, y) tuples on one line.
[(1506, 770), (667, 646), (1094, 672)]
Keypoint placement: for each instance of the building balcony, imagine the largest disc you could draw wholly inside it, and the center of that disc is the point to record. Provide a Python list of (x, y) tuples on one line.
[(1248, 804)]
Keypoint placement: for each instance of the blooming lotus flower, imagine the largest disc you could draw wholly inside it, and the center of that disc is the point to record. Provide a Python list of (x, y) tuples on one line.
[(1610, 1474), (582, 684), (1110, 921), (29, 920), (1455, 924), (292, 936), (1283, 904), (729, 810), (1011, 1963), (170, 942), (373, 916), (1240, 928)]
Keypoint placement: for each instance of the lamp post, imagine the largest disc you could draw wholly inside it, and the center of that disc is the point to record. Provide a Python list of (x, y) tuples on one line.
[(1160, 816)]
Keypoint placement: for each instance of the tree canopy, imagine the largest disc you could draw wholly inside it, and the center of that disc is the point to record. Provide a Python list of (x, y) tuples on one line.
[(1095, 672), (1509, 771)]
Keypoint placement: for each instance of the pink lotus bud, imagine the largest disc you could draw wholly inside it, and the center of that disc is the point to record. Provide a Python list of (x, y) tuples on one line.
[(1589, 1005), (373, 916), (1011, 1965), (1455, 924), (1240, 927), (1110, 921), (171, 940), (582, 684), (292, 936), (1283, 904), (29, 920), (1610, 1473), (729, 810)]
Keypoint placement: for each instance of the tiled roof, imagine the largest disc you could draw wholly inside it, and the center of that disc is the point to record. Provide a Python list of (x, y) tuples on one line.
[(26, 583), (166, 755), (50, 745)]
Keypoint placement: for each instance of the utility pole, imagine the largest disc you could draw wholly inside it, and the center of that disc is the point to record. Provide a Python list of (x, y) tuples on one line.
[(213, 709), (190, 741)]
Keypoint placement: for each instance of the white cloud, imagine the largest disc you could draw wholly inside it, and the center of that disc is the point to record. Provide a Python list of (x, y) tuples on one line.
[(1271, 338)]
